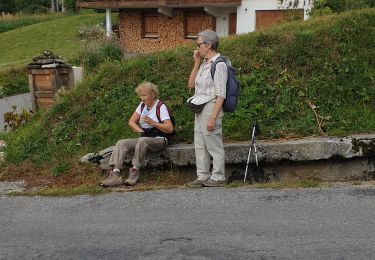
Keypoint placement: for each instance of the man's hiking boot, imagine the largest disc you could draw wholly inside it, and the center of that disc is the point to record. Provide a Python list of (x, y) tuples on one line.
[(113, 179), (212, 183), (133, 177), (195, 184)]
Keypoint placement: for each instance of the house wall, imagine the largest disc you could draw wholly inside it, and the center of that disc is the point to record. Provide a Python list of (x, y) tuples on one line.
[(171, 31), (222, 19), (246, 18)]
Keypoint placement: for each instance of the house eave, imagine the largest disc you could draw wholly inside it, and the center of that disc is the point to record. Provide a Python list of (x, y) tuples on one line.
[(129, 4)]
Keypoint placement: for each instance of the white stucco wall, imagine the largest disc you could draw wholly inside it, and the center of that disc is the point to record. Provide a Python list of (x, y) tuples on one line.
[(246, 12), (222, 19)]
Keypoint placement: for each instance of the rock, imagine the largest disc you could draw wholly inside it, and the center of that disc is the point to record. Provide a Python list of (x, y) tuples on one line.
[(3, 144), (9, 187)]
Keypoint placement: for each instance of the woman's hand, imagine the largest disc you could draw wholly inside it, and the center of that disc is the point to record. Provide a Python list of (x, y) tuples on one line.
[(211, 124), (149, 121), (197, 57)]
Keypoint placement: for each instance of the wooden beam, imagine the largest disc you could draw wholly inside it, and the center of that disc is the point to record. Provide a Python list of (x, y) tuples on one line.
[(214, 11), (166, 11)]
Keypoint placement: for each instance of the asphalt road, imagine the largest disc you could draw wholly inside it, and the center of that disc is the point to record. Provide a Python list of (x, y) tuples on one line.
[(218, 223)]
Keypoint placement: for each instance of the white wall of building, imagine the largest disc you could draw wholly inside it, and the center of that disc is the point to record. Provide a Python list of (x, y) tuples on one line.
[(222, 19), (246, 11)]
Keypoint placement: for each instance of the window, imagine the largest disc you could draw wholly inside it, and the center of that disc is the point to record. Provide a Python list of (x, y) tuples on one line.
[(193, 23), (150, 27)]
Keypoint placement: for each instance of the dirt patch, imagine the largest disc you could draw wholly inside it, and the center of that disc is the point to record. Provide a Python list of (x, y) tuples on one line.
[(37, 178)]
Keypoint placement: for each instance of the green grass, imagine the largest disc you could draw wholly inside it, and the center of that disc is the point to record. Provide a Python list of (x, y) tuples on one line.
[(13, 81), (289, 184), (19, 46), (327, 61), (13, 22), (69, 191)]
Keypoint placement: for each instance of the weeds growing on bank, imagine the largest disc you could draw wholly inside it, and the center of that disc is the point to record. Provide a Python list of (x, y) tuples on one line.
[(299, 79)]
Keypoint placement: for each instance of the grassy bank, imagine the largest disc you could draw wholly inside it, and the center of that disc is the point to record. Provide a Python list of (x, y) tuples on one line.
[(300, 79), (19, 46)]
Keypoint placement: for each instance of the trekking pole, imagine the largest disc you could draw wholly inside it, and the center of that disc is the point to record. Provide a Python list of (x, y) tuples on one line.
[(255, 131)]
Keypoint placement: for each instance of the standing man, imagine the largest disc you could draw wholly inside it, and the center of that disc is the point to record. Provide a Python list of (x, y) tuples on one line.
[(209, 94)]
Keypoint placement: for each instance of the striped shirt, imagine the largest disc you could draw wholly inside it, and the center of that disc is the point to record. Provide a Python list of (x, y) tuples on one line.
[(207, 89)]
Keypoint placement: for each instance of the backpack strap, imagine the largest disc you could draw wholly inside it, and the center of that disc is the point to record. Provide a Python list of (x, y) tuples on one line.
[(158, 106), (160, 103), (213, 66)]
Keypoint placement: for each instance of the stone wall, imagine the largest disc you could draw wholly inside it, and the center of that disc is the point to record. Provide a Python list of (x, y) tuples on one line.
[(171, 31)]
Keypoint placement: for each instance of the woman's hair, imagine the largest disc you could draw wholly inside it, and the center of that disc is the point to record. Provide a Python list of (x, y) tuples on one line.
[(209, 36), (150, 88)]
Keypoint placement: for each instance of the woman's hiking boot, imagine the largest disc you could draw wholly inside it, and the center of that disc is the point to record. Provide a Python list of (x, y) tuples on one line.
[(133, 177), (195, 184), (114, 178), (213, 183)]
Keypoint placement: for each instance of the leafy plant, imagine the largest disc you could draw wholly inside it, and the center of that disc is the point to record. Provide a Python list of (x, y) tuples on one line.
[(15, 119)]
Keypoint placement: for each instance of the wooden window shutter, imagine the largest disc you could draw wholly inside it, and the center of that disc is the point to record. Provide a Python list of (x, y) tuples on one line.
[(193, 23), (150, 24)]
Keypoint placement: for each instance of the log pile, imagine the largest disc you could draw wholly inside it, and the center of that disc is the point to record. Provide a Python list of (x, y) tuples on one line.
[(171, 32)]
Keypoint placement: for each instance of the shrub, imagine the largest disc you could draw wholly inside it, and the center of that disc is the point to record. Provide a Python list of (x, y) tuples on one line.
[(337, 6), (70, 5), (98, 48), (35, 8)]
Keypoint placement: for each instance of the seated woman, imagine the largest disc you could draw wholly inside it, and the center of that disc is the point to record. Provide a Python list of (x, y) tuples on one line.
[(153, 127)]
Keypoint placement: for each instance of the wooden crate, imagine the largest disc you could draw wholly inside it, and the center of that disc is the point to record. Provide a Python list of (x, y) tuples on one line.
[(45, 83)]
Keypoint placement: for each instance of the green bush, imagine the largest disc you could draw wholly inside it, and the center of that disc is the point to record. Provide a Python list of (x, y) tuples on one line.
[(70, 5), (97, 51), (35, 9), (338, 6)]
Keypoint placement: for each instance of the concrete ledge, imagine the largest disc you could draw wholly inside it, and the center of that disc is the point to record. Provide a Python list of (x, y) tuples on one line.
[(307, 149), (270, 151)]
